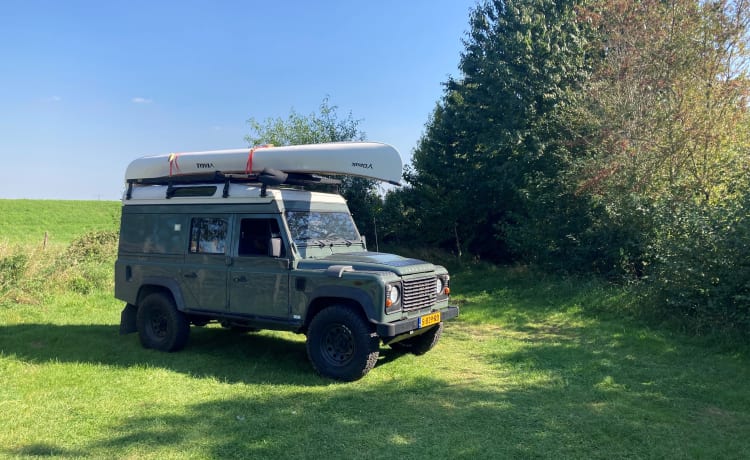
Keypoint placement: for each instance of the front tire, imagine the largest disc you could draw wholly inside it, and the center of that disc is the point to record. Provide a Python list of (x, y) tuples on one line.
[(160, 325), (341, 345)]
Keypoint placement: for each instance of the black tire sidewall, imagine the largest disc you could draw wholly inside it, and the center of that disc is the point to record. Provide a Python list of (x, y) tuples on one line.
[(364, 341), (174, 328)]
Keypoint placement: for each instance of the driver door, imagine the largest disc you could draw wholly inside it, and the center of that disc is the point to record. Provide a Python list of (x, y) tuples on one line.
[(258, 281)]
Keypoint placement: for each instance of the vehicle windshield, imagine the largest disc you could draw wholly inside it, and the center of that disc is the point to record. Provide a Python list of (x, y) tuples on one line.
[(313, 226)]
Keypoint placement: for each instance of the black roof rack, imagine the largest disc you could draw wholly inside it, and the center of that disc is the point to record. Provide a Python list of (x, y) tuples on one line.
[(265, 178)]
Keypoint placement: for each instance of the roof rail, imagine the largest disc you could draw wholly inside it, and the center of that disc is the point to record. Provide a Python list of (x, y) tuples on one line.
[(265, 178)]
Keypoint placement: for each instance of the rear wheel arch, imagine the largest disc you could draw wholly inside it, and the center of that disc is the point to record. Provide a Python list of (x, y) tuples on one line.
[(166, 286)]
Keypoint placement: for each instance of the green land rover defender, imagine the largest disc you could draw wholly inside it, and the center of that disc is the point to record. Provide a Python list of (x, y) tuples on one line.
[(255, 257)]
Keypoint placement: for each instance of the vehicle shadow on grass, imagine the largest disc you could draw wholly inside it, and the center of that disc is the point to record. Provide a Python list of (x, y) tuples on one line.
[(267, 357), (424, 417), (566, 394)]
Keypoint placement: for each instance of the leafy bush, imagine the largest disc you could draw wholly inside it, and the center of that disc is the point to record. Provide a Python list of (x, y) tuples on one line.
[(12, 269), (18, 266), (28, 275), (87, 262), (701, 271), (97, 246)]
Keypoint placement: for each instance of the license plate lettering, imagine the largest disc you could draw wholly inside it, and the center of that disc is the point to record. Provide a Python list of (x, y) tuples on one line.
[(429, 320)]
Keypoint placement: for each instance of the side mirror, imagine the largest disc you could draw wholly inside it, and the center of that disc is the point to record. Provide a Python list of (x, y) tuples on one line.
[(364, 242), (274, 247)]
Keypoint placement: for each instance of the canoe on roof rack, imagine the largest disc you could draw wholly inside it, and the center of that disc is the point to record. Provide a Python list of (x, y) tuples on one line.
[(372, 160)]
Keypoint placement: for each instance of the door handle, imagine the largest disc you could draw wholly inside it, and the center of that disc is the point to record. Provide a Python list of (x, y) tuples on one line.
[(190, 275), (239, 279)]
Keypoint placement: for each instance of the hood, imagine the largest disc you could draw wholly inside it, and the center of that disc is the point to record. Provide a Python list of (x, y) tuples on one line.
[(371, 261)]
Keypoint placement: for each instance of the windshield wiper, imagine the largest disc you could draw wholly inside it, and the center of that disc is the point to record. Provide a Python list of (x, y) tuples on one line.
[(306, 240)]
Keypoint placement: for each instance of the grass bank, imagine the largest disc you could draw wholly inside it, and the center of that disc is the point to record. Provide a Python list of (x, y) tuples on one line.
[(26, 221)]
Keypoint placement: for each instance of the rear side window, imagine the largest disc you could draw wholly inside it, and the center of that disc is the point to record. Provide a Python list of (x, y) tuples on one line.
[(208, 235)]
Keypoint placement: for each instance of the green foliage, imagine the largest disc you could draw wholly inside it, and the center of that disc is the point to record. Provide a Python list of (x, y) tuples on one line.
[(315, 128), (30, 275), (97, 246), (666, 116), (86, 262), (321, 127), (603, 136), (493, 148), (12, 270), (701, 273)]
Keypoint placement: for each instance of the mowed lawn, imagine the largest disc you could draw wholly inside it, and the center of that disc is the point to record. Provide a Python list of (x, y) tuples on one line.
[(535, 367)]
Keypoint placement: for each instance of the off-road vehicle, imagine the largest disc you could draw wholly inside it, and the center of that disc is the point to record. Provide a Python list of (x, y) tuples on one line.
[(249, 252)]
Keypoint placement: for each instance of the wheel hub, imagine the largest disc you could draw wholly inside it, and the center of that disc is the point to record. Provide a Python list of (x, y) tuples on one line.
[(338, 345)]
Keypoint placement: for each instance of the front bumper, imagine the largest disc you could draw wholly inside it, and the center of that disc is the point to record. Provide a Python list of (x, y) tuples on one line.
[(388, 330)]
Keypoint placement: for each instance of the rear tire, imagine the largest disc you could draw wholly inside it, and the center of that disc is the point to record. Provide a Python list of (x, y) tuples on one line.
[(160, 325), (420, 344), (341, 344)]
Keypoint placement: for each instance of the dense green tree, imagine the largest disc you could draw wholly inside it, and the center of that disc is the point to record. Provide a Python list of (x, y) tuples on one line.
[(494, 148), (319, 127)]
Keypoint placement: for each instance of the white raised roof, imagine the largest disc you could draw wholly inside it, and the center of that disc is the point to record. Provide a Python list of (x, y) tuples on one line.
[(237, 193)]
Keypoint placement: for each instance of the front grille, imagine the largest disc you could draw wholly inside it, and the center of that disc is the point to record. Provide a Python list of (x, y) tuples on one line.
[(419, 293)]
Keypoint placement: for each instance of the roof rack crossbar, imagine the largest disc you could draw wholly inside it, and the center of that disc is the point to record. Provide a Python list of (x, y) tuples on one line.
[(301, 179)]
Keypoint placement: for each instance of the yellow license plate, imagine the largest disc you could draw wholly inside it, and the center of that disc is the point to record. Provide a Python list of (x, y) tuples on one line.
[(429, 320)]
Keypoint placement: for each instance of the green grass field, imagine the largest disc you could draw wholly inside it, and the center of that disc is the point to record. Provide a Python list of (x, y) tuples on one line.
[(535, 367), (26, 221)]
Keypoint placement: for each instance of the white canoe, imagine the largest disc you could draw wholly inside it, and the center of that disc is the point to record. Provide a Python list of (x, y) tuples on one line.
[(365, 159)]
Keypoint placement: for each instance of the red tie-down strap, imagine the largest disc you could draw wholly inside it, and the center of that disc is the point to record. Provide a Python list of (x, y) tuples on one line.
[(173, 163), (249, 166)]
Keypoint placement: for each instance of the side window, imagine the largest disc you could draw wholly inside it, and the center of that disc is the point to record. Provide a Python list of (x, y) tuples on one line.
[(208, 235), (255, 236)]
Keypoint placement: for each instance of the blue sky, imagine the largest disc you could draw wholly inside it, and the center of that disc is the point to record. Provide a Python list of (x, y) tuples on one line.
[(88, 86)]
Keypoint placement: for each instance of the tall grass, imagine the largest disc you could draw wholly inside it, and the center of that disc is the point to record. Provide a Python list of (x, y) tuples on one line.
[(32, 275), (81, 238)]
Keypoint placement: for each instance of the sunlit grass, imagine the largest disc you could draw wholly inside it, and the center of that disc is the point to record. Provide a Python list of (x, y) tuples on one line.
[(536, 366), (526, 372)]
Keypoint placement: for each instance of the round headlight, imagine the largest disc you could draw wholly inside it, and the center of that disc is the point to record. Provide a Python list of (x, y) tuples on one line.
[(394, 295), (439, 286)]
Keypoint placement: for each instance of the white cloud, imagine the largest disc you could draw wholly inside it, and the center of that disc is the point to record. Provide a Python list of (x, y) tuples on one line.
[(141, 100), (53, 99)]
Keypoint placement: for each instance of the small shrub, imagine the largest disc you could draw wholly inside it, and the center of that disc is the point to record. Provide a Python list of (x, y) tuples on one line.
[(97, 246), (86, 265), (12, 270)]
